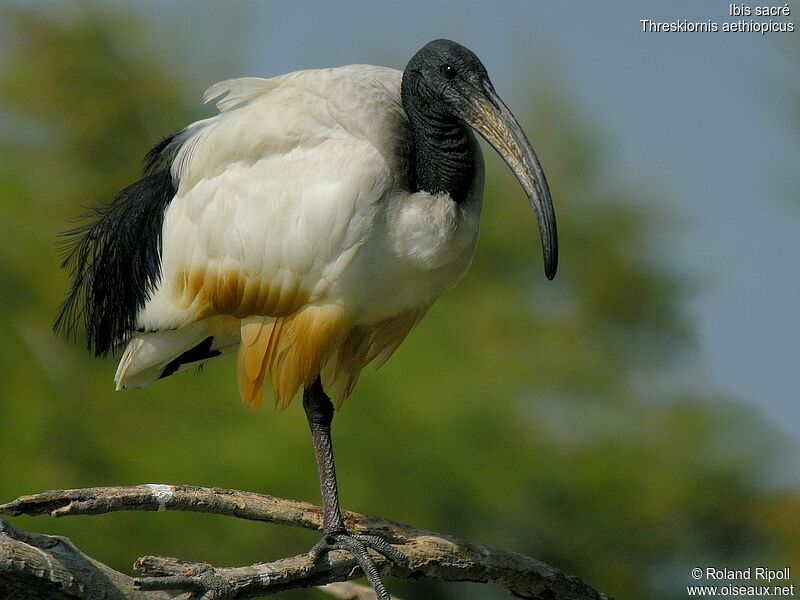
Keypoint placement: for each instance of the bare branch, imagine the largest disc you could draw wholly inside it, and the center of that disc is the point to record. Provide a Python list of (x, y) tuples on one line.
[(430, 554), (33, 565)]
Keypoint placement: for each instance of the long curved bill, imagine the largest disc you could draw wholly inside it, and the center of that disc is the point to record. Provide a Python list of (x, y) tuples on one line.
[(490, 117)]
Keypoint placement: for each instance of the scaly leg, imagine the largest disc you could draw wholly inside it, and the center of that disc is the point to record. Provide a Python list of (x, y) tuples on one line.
[(319, 412)]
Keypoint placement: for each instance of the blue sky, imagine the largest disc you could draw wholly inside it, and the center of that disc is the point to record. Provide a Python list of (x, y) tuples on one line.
[(699, 113)]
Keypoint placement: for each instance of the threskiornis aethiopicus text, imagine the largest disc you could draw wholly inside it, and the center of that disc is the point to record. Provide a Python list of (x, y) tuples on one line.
[(308, 226)]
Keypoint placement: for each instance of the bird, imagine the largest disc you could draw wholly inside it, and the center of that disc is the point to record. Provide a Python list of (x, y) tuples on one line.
[(308, 226)]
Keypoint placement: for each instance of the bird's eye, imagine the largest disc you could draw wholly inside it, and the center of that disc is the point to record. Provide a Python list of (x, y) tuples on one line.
[(448, 71)]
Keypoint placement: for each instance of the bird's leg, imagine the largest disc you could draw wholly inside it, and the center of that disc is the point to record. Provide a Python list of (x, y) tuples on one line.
[(319, 412)]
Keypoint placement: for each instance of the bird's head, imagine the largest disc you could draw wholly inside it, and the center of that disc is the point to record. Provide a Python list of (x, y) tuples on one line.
[(448, 80)]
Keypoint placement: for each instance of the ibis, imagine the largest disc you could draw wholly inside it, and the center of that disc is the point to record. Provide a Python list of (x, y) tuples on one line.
[(308, 227)]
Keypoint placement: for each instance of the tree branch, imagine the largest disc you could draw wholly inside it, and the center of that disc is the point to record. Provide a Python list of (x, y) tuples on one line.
[(34, 565), (430, 555)]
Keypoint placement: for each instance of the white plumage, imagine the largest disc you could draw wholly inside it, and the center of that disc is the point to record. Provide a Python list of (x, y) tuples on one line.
[(293, 216)]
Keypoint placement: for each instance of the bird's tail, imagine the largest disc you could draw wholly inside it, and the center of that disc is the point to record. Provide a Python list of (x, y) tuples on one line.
[(150, 356)]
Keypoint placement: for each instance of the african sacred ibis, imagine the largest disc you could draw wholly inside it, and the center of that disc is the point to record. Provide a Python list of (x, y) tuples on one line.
[(308, 226)]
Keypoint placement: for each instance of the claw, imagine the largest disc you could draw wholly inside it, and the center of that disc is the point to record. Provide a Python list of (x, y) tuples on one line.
[(381, 546), (359, 545)]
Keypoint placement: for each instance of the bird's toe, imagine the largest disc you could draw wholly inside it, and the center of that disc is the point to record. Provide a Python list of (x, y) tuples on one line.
[(359, 546)]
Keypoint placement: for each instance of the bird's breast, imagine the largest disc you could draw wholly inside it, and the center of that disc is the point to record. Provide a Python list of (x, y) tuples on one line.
[(420, 247), (428, 232)]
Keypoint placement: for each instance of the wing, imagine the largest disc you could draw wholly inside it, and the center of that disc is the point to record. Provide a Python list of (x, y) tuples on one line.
[(253, 211), (275, 196), (114, 260)]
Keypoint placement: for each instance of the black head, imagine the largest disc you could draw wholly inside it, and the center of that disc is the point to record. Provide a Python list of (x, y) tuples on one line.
[(443, 74), (446, 81)]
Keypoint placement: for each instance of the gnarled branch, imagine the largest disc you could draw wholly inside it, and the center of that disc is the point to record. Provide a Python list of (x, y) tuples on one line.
[(430, 554), (33, 565)]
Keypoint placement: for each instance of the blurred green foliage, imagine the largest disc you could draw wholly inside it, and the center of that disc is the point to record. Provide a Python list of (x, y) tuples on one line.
[(522, 413)]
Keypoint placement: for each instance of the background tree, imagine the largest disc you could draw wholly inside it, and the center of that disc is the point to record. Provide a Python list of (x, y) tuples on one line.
[(550, 418)]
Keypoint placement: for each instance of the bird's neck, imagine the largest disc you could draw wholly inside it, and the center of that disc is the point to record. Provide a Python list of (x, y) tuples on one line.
[(443, 159)]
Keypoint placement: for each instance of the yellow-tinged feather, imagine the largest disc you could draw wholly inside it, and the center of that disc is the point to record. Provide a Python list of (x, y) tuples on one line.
[(250, 329), (257, 352), (263, 294), (224, 326), (251, 370), (273, 296), (286, 299), (307, 339), (293, 350), (208, 292), (362, 345)]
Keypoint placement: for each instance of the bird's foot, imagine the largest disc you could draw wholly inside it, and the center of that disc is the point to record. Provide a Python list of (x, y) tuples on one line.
[(359, 545)]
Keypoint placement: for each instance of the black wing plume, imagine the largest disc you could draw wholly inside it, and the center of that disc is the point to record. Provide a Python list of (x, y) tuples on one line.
[(115, 257)]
